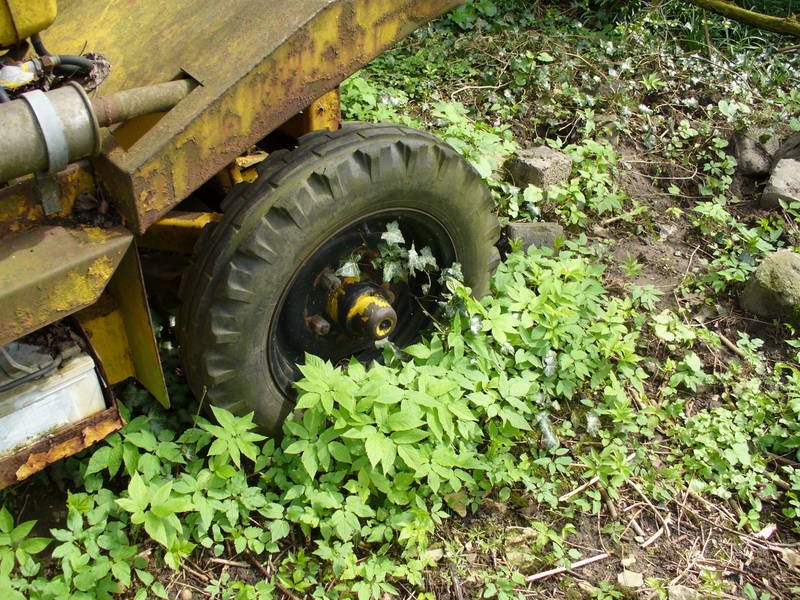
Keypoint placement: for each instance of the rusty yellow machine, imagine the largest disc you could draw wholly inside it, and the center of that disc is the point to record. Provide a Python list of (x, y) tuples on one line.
[(137, 130)]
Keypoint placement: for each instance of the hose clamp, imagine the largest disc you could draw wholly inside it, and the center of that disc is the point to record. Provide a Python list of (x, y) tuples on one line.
[(56, 144), (52, 129)]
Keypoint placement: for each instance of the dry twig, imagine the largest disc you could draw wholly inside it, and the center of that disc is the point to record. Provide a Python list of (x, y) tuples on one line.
[(576, 565)]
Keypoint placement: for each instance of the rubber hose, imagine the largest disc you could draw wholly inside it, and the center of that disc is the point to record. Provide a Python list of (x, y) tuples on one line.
[(84, 64), (36, 40)]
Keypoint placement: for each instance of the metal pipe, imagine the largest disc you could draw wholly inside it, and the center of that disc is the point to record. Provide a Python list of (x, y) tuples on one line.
[(64, 123), (135, 102), (31, 137)]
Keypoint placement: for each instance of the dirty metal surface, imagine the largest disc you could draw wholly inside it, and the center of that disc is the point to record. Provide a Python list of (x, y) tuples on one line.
[(104, 326), (61, 444), (323, 113), (178, 231), (127, 288), (259, 62), (52, 271), (20, 206)]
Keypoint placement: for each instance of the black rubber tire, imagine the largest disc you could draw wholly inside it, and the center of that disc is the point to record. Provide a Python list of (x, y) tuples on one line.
[(231, 291)]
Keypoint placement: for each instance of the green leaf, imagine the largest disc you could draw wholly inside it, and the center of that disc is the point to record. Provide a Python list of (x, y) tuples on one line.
[(297, 447), (402, 421), (21, 530), (99, 460), (374, 446), (418, 351), (122, 573), (6, 520), (409, 437), (34, 545), (279, 529)]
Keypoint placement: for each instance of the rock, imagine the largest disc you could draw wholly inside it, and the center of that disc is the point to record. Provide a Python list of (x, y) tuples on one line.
[(754, 161), (774, 289), (540, 166), (535, 234), (627, 561), (682, 592), (784, 184), (790, 148), (630, 579)]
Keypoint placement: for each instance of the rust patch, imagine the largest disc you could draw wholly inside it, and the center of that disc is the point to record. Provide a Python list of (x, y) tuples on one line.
[(61, 444), (280, 66), (21, 209), (50, 272)]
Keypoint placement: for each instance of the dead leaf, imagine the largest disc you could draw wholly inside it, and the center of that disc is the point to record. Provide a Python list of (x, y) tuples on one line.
[(790, 557), (767, 532)]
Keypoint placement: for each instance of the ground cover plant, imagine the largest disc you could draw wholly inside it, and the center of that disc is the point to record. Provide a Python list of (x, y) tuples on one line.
[(608, 411)]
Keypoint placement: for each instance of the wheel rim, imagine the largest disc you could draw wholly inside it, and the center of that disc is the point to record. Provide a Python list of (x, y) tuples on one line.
[(290, 335)]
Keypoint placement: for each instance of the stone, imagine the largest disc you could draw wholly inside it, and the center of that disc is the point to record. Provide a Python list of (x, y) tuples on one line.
[(774, 289), (753, 160), (535, 234), (784, 184), (790, 148), (630, 579), (541, 166), (682, 592)]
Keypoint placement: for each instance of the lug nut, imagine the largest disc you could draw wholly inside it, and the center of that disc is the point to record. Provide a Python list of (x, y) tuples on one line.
[(330, 281), (319, 325)]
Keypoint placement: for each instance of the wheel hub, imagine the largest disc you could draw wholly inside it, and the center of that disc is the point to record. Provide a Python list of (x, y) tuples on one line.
[(362, 308)]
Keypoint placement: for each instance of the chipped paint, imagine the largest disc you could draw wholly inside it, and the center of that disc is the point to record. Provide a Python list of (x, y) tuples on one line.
[(62, 443), (50, 272), (279, 66)]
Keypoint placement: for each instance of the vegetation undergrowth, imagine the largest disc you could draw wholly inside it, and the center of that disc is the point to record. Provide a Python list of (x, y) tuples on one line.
[(474, 442)]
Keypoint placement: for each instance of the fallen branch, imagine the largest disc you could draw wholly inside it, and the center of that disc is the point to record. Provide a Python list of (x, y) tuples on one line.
[(733, 347), (577, 565), (786, 25), (228, 563), (258, 566), (197, 574), (456, 582)]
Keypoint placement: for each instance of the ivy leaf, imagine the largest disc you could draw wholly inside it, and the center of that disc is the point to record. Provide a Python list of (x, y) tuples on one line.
[(393, 235)]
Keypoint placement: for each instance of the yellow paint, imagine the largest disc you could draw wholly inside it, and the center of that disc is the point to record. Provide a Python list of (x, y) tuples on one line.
[(275, 68), (50, 272), (104, 324), (239, 175), (365, 302), (75, 443), (333, 304), (20, 206), (178, 231), (78, 288), (20, 19), (127, 289), (129, 133)]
